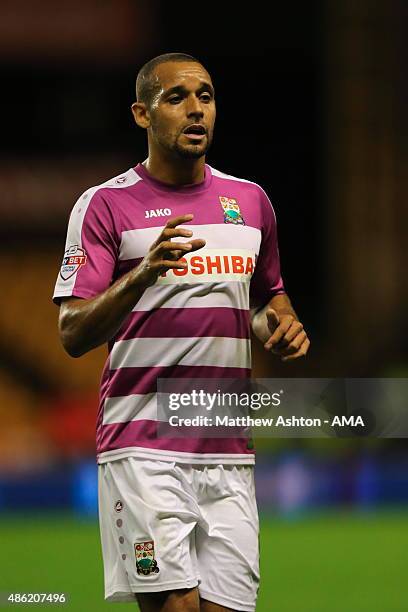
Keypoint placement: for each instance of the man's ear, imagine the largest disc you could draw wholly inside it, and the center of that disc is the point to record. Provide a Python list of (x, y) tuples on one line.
[(141, 114)]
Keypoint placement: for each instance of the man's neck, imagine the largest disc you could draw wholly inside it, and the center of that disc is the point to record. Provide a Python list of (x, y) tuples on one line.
[(184, 172)]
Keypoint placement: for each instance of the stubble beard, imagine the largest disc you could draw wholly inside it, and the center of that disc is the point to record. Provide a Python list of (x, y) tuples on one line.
[(192, 152), (189, 151)]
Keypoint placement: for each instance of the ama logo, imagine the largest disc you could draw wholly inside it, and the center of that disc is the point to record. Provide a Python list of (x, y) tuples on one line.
[(74, 258)]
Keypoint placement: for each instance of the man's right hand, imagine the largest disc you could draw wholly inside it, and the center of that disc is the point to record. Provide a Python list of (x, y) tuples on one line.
[(87, 323), (164, 254)]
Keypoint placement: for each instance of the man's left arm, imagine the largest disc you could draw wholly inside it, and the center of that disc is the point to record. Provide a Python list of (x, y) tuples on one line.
[(278, 327)]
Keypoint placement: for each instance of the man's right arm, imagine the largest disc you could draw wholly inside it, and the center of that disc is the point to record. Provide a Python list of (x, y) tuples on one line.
[(86, 324)]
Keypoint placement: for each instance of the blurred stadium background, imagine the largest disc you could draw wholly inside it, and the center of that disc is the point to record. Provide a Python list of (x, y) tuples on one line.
[(312, 105)]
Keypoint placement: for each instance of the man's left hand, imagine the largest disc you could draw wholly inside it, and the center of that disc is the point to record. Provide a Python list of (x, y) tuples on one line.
[(288, 340)]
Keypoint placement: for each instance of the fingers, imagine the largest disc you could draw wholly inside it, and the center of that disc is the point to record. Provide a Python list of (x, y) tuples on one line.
[(293, 331), (284, 325), (178, 220), (169, 254), (289, 340), (300, 353), (168, 233), (176, 254), (293, 346), (273, 319), (196, 244), (171, 263), (166, 253), (168, 245), (178, 248), (171, 231)]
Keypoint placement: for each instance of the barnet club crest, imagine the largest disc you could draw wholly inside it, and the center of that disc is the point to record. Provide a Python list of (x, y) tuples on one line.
[(232, 213), (145, 562)]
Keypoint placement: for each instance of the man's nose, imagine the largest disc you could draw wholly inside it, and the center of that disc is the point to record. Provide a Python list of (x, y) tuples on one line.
[(194, 107)]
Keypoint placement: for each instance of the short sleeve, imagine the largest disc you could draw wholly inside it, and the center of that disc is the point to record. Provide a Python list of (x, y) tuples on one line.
[(91, 249), (266, 280)]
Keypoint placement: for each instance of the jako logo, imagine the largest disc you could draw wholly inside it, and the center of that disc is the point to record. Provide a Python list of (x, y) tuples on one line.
[(158, 212)]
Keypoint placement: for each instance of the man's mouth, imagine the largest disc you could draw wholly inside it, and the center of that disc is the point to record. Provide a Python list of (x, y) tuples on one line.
[(196, 131)]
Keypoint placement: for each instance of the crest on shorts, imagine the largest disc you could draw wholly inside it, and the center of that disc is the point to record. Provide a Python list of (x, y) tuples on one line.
[(232, 213), (74, 258), (145, 562)]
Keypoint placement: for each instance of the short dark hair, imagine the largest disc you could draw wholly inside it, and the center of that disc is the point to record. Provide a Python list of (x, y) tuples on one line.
[(146, 85)]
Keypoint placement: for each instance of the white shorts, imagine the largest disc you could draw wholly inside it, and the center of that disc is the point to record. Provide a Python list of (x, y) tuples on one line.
[(168, 526)]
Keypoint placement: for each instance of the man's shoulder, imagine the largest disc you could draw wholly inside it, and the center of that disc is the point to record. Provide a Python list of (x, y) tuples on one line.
[(105, 195), (242, 183), (121, 181)]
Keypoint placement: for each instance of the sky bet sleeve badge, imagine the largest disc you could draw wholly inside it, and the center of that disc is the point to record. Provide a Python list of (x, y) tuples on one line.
[(74, 258), (232, 214), (145, 562)]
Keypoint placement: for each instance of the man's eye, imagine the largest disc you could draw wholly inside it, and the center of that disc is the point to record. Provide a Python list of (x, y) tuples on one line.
[(174, 100), (206, 98)]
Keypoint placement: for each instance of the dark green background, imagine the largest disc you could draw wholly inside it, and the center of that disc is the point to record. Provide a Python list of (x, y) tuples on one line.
[(339, 562)]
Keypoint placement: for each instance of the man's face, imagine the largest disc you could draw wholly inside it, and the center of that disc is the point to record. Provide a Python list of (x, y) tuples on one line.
[(182, 113)]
